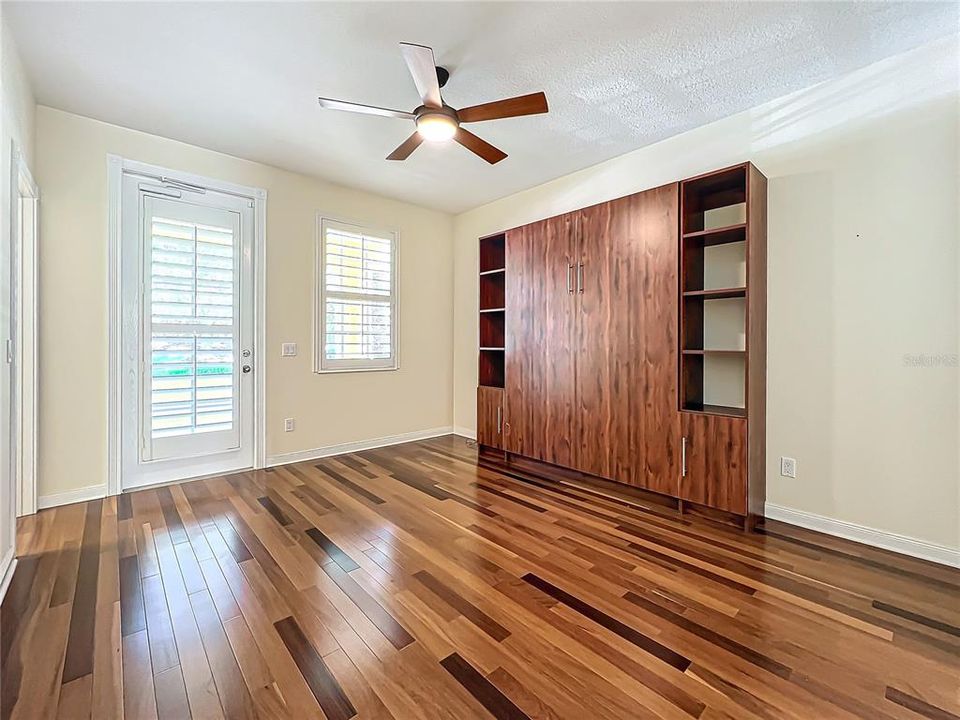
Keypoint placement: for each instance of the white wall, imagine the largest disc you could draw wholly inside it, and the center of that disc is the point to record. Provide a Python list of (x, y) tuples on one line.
[(16, 126), (863, 276), (71, 170)]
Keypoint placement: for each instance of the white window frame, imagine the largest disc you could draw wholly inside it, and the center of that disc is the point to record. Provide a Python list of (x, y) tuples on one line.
[(320, 363)]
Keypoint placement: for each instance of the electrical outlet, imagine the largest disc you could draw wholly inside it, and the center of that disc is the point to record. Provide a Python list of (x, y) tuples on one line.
[(288, 349), (288, 425), (788, 467)]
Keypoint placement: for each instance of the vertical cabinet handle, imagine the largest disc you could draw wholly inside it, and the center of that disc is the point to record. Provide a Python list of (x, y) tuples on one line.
[(580, 278), (499, 420), (683, 457), (570, 278)]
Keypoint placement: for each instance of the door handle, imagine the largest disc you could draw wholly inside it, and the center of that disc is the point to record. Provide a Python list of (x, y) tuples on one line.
[(499, 420), (580, 278), (570, 278), (683, 457)]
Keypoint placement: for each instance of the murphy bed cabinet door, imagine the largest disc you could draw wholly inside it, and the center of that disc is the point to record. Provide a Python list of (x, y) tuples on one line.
[(490, 417), (715, 467), (627, 348), (539, 366)]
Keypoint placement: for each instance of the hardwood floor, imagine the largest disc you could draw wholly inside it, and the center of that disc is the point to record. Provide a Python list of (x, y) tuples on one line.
[(408, 582)]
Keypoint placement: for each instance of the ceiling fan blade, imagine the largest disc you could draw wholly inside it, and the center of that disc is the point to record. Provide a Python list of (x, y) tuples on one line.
[(423, 67), (532, 104), (331, 104), (406, 147), (478, 146)]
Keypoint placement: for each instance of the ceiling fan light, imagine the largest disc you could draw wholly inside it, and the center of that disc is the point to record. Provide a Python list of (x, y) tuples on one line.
[(436, 127)]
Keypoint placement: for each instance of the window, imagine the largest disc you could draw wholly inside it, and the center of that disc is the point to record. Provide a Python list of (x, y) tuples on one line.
[(357, 298)]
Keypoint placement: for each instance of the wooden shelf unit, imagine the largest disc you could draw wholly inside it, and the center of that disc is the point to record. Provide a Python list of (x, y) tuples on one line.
[(719, 235), (493, 253), (714, 230), (491, 368), (492, 329), (722, 387), (717, 294), (492, 292), (491, 375), (713, 351), (725, 410), (493, 312)]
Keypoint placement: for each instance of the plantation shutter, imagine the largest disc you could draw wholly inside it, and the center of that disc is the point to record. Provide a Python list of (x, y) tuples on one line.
[(358, 298), (191, 329)]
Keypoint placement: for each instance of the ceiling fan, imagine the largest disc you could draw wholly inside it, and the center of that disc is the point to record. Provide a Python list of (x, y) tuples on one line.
[(437, 121)]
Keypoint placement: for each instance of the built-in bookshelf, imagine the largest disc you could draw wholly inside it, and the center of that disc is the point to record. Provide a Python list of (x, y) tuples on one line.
[(493, 310), (717, 241)]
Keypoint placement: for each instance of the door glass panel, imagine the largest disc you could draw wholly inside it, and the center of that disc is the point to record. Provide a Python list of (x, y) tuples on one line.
[(192, 339), (192, 389)]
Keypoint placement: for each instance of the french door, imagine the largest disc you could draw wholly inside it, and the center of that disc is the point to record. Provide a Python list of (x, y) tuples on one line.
[(187, 332)]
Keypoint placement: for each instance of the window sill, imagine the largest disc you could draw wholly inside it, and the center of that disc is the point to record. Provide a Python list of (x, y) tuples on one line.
[(337, 371)]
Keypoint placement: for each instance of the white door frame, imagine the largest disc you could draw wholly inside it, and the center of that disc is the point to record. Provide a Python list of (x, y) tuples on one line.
[(116, 168), (24, 317)]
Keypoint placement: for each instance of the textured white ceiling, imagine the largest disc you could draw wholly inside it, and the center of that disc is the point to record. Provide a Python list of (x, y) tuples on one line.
[(243, 77)]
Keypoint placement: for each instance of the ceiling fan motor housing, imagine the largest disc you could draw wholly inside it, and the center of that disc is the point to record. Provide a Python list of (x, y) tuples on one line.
[(445, 110), (436, 123)]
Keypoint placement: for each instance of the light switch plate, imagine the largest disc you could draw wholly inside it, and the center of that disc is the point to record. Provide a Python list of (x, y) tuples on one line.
[(288, 424), (288, 349)]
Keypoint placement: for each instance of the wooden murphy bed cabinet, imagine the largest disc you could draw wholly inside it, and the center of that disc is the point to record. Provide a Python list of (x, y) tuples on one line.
[(626, 342)]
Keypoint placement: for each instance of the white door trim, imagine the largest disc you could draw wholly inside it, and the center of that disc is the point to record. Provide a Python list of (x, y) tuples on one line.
[(116, 168), (25, 288), (8, 566)]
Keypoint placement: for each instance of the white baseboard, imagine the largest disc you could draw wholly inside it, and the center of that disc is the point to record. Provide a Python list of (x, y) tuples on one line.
[(94, 492), (328, 450), (903, 544), (7, 567), (91, 492), (466, 432)]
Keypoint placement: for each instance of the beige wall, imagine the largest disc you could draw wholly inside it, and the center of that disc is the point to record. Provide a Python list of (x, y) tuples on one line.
[(71, 170), (863, 275)]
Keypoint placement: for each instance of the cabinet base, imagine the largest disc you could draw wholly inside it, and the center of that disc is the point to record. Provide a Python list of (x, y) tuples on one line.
[(747, 522), (526, 469)]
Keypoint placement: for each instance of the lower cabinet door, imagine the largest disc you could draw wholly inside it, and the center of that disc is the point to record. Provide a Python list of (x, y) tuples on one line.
[(490, 416), (714, 461)]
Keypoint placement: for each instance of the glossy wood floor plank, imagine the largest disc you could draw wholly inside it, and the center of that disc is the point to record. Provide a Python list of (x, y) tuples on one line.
[(416, 581)]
